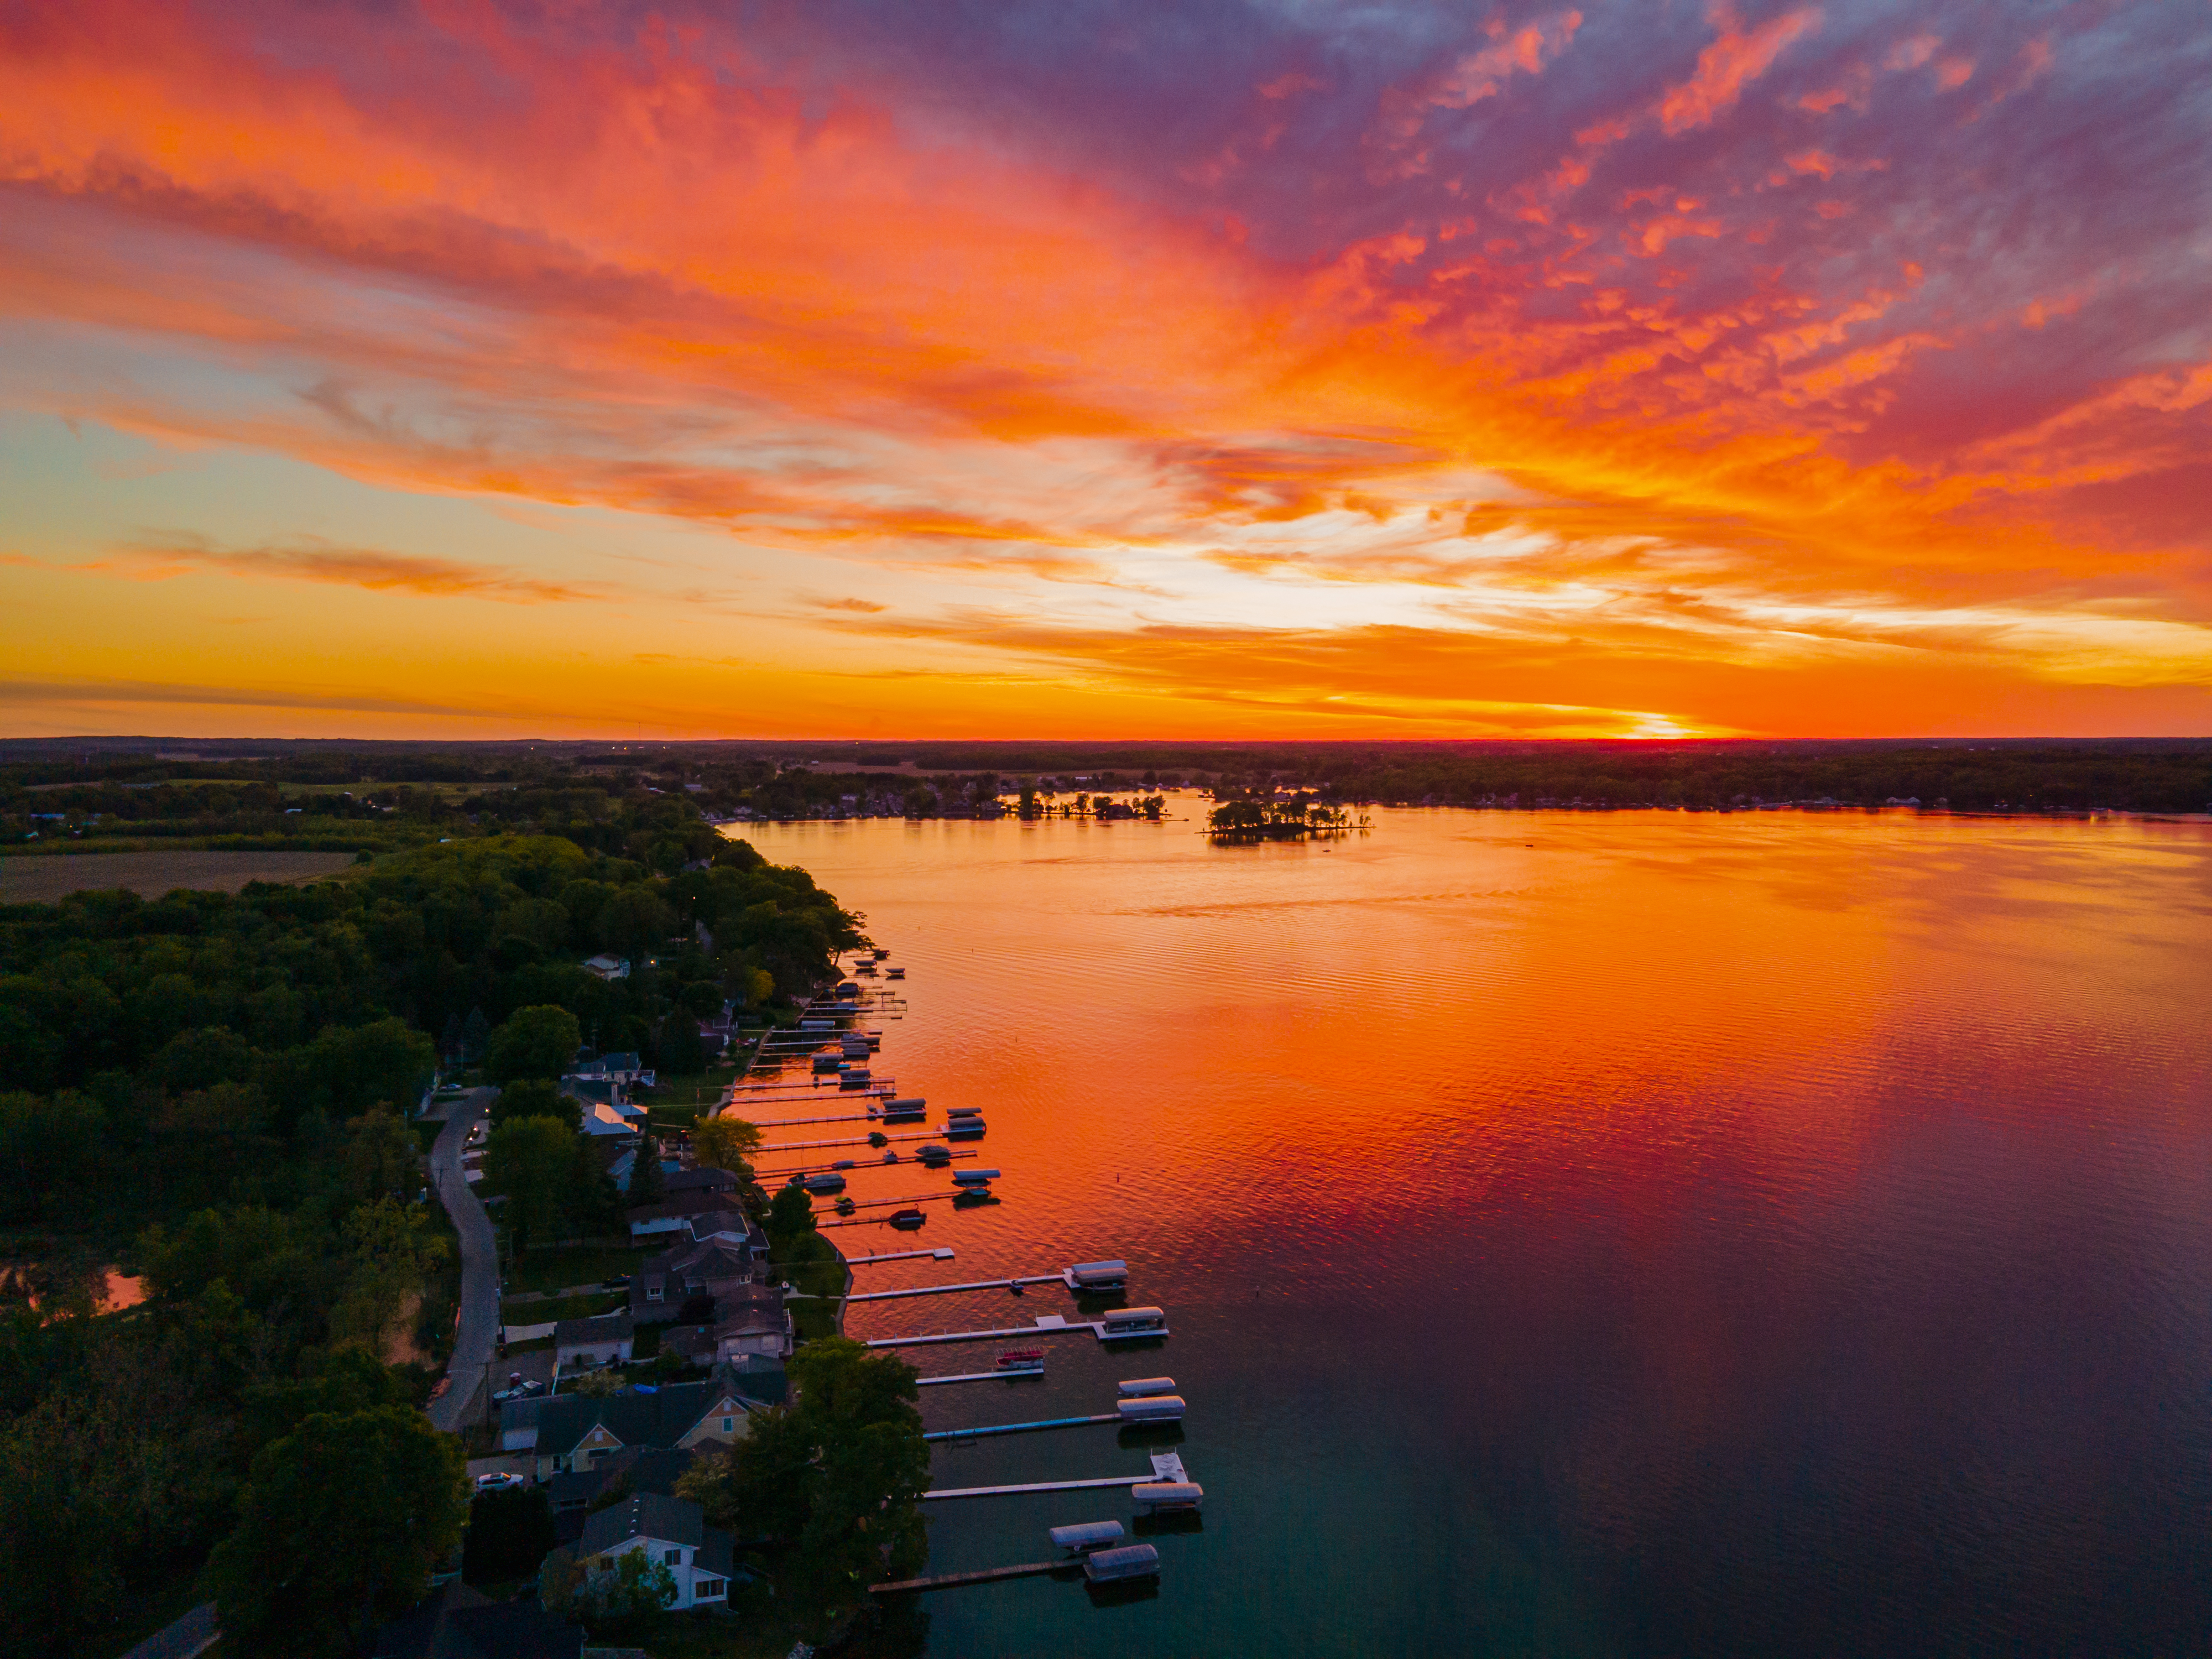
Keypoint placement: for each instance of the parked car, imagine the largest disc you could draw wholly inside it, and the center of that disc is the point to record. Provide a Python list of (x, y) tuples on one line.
[(619, 1282), (497, 1482)]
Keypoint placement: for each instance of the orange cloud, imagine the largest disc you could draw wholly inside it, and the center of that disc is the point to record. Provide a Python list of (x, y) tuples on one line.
[(1727, 65)]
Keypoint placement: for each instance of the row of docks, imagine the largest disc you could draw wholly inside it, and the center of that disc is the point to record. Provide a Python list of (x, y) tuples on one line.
[(834, 1046)]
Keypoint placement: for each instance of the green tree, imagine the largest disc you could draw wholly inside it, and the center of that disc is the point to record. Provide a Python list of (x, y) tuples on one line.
[(645, 1186), (681, 1053), (724, 1143), (532, 1161), (339, 1526), (790, 1218), (835, 1478), (539, 1041), (391, 1248), (535, 1097), (382, 1157), (509, 1533)]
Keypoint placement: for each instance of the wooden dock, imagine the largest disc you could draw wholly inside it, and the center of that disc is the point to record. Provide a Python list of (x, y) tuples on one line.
[(947, 1290), (1046, 1325), (988, 1576), (1166, 1466), (1023, 1428), (982, 1377), (941, 1253)]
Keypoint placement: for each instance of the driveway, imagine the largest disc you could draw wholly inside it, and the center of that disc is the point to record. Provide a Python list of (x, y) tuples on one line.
[(479, 1323)]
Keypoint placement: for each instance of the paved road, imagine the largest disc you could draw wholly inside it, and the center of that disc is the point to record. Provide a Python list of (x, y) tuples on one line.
[(479, 1325)]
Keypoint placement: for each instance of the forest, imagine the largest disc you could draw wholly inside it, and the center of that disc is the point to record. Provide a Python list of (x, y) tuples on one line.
[(211, 1094)]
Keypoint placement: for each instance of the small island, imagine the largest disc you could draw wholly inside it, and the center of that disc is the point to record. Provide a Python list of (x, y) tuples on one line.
[(1299, 817)]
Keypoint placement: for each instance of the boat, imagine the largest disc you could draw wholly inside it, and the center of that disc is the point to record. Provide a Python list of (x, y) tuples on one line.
[(1097, 1276), (908, 1220), (1132, 1388), (963, 1111), (844, 1163), (912, 1106), (1134, 1321), (847, 991), (825, 1183), (1151, 1408), (826, 1063), (1167, 1497), (969, 1197), (963, 1126), (1114, 1565), (894, 973), (846, 1206), (974, 1177), (1022, 1359), (849, 1076), (879, 952), (891, 1158), (1087, 1536), (933, 1154)]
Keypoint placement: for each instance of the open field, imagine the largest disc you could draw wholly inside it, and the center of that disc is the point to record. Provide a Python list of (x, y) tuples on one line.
[(42, 880)]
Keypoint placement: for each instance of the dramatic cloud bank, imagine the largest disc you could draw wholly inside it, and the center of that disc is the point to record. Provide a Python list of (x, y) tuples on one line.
[(1628, 368)]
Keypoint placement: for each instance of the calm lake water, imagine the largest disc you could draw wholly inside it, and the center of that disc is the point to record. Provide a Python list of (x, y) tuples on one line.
[(1644, 1234)]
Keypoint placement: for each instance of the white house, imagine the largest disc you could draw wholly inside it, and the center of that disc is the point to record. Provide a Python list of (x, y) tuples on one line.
[(670, 1530), (584, 1344), (607, 968)]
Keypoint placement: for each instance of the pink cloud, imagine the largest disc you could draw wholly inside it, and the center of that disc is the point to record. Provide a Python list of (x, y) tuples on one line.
[(1725, 67)]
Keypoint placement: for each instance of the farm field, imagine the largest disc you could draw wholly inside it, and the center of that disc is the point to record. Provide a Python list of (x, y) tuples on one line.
[(41, 879)]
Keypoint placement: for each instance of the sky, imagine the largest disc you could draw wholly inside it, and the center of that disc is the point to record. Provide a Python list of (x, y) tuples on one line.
[(440, 369)]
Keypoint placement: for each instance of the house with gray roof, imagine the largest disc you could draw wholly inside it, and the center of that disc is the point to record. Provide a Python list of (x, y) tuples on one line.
[(670, 1530)]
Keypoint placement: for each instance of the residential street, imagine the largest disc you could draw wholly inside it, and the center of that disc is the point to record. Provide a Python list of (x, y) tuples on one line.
[(479, 1323)]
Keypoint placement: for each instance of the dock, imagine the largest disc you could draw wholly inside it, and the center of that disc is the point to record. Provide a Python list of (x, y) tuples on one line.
[(1023, 1428), (1046, 1325), (986, 1575), (941, 1253), (982, 1377), (947, 1290), (1166, 1466)]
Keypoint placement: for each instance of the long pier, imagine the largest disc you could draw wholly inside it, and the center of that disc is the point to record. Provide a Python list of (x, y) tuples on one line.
[(1036, 1369), (985, 1575), (947, 1290), (1023, 1428), (1166, 1466), (941, 1253), (1046, 1325), (849, 1141)]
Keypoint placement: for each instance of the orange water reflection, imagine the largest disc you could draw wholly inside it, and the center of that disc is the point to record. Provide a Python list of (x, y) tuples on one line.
[(1799, 1185)]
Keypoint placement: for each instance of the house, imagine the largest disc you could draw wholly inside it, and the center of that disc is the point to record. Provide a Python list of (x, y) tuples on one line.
[(749, 1321), (604, 967), (700, 1268), (455, 1622), (700, 1179), (590, 1090), (583, 1345), (671, 1530), (624, 1068), (634, 1469), (673, 1216), (573, 1431), (601, 1119)]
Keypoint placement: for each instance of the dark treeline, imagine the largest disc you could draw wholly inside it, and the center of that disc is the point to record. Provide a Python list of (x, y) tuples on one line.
[(643, 801), (211, 1092)]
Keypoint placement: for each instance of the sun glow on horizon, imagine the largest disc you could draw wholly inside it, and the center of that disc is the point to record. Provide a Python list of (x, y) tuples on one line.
[(1599, 372)]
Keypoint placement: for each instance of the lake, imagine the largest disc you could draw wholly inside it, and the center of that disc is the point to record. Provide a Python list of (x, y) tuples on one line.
[(1639, 1233)]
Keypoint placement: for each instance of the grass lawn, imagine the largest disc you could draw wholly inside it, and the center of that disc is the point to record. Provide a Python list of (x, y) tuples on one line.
[(547, 1269), (683, 1098), (41, 880), (567, 1307)]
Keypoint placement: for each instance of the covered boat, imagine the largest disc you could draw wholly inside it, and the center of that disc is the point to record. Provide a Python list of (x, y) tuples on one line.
[(1165, 1497), (1132, 1388), (825, 1183), (1097, 1276), (1151, 1408), (1129, 1561), (1134, 1321), (1085, 1535)]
